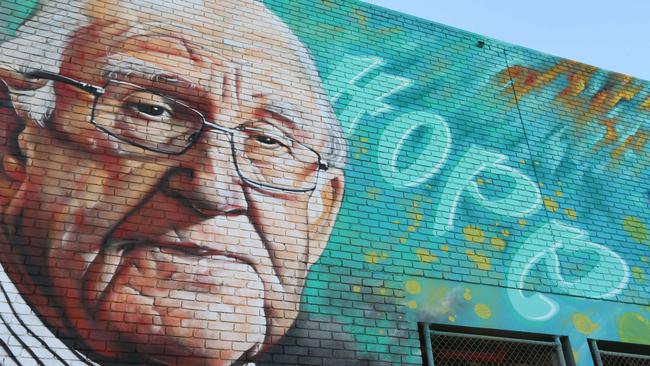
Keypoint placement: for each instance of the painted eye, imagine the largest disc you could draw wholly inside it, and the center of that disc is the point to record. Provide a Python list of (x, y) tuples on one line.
[(266, 140), (149, 109)]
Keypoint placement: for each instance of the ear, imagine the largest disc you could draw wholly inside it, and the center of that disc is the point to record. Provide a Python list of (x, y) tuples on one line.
[(324, 206), (12, 161)]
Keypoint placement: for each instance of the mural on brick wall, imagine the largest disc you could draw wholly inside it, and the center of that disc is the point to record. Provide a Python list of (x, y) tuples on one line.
[(201, 182)]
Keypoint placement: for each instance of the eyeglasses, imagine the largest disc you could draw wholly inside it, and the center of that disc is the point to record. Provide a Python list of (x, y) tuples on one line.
[(262, 154)]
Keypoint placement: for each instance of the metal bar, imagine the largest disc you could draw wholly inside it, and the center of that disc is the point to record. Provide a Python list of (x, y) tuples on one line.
[(560, 351), (627, 355), (498, 339), (427, 344), (596, 352)]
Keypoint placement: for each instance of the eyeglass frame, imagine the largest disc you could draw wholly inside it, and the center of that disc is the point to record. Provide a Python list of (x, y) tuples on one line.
[(98, 91)]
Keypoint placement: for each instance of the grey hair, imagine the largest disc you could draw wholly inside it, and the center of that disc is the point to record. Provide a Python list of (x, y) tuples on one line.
[(41, 41)]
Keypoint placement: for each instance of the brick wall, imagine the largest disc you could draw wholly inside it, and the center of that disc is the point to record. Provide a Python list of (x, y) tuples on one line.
[(302, 182)]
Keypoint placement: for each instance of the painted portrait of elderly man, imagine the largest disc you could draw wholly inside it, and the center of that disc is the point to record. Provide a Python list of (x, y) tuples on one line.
[(170, 172)]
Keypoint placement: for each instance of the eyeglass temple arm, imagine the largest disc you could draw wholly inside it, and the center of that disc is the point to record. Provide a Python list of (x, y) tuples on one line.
[(40, 74)]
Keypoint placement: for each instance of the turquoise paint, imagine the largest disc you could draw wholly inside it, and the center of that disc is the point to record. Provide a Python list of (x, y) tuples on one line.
[(455, 304), (526, 169)]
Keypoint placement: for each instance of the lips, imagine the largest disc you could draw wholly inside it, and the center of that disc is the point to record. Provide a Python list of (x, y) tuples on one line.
[(178, 294), (117, 253)]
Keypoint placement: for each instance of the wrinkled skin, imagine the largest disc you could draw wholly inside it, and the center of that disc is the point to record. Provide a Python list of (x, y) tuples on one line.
[(172, 259)]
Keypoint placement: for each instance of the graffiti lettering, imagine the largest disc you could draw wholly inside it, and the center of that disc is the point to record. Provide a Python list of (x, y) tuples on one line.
[(431, 155), (463, 178), (361, 99), (611, 268)]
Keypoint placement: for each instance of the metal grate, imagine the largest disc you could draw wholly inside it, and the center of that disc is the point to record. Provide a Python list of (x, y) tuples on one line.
[(461, 349), (612, 357)]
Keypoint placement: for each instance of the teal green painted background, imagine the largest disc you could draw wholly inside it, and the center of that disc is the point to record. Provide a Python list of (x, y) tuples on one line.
[(494, 166), (542, 186)]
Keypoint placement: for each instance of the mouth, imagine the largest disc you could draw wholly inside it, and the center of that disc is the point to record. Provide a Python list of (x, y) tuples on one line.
[(177, 293), (153, 258)]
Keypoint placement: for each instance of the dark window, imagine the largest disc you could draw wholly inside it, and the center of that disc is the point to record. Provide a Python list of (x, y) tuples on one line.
[(459, 346), (619, 354)]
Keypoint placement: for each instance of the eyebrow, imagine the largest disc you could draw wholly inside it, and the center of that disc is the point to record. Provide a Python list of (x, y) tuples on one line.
[(284, 111), (128, 66)]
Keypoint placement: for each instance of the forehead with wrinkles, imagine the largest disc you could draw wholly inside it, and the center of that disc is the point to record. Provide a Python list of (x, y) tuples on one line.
[(200, 41)]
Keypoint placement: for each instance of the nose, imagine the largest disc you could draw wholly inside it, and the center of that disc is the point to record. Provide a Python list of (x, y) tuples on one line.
[(207, 179)]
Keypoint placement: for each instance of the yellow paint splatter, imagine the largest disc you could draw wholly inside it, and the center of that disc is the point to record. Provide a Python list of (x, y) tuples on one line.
[(505, 233), (644, 259), (636, 229), (467, 295), (570, 213), (576, 357), (633, 328), (583, 324), (638, 273), (364, 150), (402, 240), (480, 181), (483, 311), (374, 258), (522, 161), (550, 204), (498, 243), (523, 222), (474, 234), (411, 228), (413, 287), (412, 304), (363, 139), (382, 291), (559, 193), (444, 248), (356, 288), (482, 262), (451, 318), (425, 255)]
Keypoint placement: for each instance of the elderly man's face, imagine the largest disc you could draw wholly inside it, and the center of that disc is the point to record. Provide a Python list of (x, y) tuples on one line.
[(178, 258)]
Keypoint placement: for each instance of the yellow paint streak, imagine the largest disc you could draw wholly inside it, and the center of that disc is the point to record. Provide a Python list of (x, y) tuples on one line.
[(413, 287), (474, 234), (559, 193), (483, 311), (505, 233), (425, 255), (481, 261), (584, 324), (523, 222), (633, 328), (480, 181), (412, 304), (467, 295), (498, 243), (374, 258), (550, 204), (356, 289), (444, 248), (570, 213), (638, 274), (451, 318), (636, 229)]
